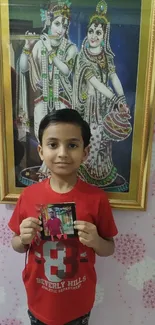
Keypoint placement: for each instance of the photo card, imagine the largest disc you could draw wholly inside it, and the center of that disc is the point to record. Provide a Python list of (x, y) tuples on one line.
[(58, 221)]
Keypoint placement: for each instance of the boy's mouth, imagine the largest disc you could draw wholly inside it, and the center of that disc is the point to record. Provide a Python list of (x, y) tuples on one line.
[(62, 163)]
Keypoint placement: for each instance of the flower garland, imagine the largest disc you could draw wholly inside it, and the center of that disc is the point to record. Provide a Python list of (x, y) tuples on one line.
[(50, 94)]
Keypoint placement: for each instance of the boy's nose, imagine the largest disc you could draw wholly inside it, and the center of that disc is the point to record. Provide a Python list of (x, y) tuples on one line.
[(62, 152)]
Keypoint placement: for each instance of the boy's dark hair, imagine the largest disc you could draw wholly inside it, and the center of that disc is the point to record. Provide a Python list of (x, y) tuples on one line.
[(66, 115)]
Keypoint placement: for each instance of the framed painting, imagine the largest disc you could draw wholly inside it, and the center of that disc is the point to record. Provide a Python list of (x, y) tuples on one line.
[(93, 56)]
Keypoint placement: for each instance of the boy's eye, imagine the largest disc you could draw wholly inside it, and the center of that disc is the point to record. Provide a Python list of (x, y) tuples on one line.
[(72, 145), (52, 145)]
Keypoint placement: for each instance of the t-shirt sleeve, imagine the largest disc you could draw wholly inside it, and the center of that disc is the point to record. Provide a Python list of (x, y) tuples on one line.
[(18, 215), (106, 224)]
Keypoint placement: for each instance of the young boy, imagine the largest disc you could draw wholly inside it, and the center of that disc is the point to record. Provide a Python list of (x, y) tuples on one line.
[(60, 277)]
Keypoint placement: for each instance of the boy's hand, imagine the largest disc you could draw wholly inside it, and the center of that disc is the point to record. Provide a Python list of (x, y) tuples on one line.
[(87, 232), (28, 229)]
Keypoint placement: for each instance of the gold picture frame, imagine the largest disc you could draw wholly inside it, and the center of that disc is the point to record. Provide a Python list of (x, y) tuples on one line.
[(144, 111)]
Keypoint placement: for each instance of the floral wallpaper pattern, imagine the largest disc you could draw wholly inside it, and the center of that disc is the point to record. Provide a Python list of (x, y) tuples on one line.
[(125, 292)]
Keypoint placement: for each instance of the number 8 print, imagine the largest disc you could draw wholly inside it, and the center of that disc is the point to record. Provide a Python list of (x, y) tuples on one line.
[(65, 265)]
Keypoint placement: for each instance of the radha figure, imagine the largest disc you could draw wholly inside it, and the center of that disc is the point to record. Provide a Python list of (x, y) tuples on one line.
[(103, 108), (50, 61)]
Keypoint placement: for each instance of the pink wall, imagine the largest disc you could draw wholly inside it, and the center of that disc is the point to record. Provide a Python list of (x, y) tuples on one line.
[(126, 282)]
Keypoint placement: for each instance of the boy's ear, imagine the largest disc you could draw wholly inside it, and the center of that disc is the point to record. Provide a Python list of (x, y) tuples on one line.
[(86, 153), (40, 152)]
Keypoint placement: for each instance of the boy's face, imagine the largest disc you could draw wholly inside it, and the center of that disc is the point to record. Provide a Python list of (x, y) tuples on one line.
[(51, 214), (62, 148)]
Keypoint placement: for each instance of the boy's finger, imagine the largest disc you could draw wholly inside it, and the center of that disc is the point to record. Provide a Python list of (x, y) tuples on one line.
[(80, 222), (36, 227), (31, 230), (28, 231), (83, 235), (35, 220), (30, 222), (32, 225), (82, 228)]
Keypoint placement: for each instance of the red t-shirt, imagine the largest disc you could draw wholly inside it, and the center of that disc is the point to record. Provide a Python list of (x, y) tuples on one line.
[(60, 277), (54, 226)]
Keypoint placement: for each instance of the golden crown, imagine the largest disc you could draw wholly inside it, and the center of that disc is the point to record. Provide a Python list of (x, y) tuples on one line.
[(101, 10), (60, 9)]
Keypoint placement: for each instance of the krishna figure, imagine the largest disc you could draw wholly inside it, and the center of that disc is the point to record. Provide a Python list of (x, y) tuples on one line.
[(50, 61)]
